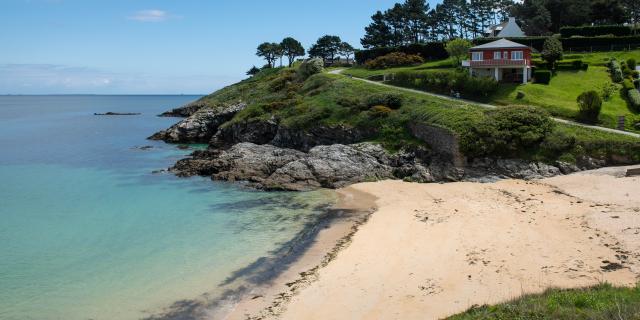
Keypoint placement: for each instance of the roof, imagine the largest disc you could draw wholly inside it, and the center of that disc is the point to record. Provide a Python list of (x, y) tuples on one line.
[(500, 44), (495, 27), (511, 29)]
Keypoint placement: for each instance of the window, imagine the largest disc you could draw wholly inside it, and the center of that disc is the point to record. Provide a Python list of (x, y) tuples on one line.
[(476, 56), (497, 55), (506, 55), (517, 55)]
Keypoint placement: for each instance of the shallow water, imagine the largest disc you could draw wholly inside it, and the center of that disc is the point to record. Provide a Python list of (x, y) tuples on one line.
[(87, 231)]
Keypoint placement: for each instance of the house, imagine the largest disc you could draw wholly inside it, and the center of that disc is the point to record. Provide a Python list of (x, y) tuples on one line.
[(503, 60), (507, 29)]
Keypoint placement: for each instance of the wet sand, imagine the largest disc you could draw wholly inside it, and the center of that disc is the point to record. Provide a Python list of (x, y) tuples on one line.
[(433, 250)]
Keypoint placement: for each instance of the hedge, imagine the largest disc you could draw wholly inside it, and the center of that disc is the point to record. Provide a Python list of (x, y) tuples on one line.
[(446, 82), (592, 31), (428, 51), (542, 76), (616, 72), (634, 98), (574, 44)]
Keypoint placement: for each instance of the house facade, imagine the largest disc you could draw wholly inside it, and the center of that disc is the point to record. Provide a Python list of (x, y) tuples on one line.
[(503, 60)]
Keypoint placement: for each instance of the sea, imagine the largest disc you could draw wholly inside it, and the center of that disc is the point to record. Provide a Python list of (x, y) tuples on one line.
[(92, 227)]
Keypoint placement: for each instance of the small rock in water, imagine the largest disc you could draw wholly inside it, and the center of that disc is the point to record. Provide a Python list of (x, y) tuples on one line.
[(118, 114), (184, 147), (143, 147)]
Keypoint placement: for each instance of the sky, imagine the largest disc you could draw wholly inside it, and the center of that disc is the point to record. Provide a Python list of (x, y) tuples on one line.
[(157, 46)]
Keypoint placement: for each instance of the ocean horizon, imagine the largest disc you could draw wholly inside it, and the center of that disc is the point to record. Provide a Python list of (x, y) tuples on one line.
[(94, 229)]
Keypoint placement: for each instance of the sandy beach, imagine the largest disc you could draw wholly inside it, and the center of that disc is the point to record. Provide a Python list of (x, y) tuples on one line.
[(433, 250)]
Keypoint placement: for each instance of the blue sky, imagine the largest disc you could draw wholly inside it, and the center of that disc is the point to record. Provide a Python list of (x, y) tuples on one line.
[(156, 47)]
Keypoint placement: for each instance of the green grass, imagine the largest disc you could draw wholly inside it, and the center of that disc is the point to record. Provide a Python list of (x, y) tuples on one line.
[(559, 96), (602, 302)]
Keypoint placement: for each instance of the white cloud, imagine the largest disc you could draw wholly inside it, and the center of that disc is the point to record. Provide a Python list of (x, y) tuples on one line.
[(152, 15)]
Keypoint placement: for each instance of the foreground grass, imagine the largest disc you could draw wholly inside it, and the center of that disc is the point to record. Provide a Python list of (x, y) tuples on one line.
[(595, 303)]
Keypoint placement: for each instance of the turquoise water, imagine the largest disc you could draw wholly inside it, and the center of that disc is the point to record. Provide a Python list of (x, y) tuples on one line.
[(87, 231)]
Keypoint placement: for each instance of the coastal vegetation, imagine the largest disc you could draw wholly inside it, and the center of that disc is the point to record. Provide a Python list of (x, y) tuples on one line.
[(599, 302)]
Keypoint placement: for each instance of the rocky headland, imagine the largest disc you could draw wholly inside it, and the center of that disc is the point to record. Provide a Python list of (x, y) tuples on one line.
[(268, 155)]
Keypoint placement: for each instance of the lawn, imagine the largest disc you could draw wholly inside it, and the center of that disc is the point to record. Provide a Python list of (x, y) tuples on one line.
[(558, 97), (597, 303)]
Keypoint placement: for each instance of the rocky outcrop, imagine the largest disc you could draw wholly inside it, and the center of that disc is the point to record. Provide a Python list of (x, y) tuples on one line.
[(185, 111), (334, 166), (255, 131), (300, 139), (273, 168), (199, 127)]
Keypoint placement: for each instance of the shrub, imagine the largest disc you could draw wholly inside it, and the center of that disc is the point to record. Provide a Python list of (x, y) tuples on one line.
[(395, 59), (315, 82), (430, 50), (631, 63), (636, 83), (552, 51), (616, 71), (520, 95), (310, 67), (380, 111), (591, 31), (542, 76), (349, 102), (282, 80), (635, 74), (558, 142), (391, 100), (589, 104), (607, 91), (627, 85), (634, 98), (507, 131)]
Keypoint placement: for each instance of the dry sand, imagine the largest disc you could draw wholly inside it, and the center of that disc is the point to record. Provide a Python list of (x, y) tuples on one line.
[(433, 250)]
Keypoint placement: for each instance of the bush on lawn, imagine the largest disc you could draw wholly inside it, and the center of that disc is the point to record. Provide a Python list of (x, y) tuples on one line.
[(634, 98), (558, 142), (390, 100), (542, 76), (507, 132), (520, 95), (589, 105), (608, 90), (631, 63), (627, 85), (395, 59), (616, 71)]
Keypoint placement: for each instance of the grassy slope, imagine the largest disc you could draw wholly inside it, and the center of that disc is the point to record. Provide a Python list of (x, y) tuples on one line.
[(559, 97), (320, 100), (596, 303)]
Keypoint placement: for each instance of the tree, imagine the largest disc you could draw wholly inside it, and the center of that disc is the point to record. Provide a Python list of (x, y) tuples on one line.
[(415, 12), (533, 16), (608, 12), (346, 50), (633, 8), (270, 52), (253, 71), (590, 104), (327, 48), (552, 51), (458, 48), (292, 48), (377, 34)]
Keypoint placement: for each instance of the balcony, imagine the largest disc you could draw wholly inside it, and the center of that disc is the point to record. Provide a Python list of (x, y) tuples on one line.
[(498, 63)]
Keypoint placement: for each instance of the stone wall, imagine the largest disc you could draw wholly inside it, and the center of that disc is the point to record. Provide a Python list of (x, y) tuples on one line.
[(442, 141)]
